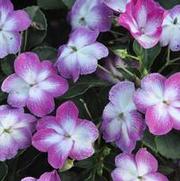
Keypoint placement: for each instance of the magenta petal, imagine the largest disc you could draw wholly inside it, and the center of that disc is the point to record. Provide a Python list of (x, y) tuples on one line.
[(17, 21), (29, 179), (57, 154), (45, 138), (158, 119), (67, 115), (50, 176), (39, 102), (146, 163), (155, 177), (55, 85), (27, 66)]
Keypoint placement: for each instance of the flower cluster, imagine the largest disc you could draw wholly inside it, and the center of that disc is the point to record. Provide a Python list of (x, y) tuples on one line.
[(151, 102)]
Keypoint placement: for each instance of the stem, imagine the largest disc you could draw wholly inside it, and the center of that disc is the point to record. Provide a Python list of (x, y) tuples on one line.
[(134, 57), (25, 40), (86, 108)]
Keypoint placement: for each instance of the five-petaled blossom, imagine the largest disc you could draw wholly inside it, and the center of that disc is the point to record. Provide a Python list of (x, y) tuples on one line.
[(34, 84), (171, 29), (16, 129), (122, 123), (65, 136), (91, 14), (79, 56), (142, 166), (11, 24), (47, 176), (143, 18), (159, 99), (117, 5)]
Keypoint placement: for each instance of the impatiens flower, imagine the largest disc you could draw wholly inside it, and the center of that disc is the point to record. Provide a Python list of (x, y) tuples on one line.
[(11, 24), (141, 167), (143, 18), (15, 131), (34, 84), (117, 5), (171, 29), (48, 176), (91, 14), (65, 136), (159, 99), (122, 123), (79, 56)]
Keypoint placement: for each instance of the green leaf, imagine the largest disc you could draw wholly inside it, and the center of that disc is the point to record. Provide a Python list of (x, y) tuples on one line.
[(149, 141), (46, 52), (168, 4), (51, 4), (7, 64), (147, 55), (83, 85), (169, 145), (68, 3), (36, 34), (3, 171)]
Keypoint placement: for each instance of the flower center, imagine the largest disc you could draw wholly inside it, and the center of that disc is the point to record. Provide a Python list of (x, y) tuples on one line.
[(7, 130), (82, 21), (121, 116), (74, 48), (166, 102), (140, 178), (175, 21)]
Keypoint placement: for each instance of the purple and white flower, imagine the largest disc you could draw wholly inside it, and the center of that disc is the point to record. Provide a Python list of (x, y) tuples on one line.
[(171, 29), (142, 166), (48, 176), (34, 84), (143, 18), (159, 99), (91, 14), (65, 136), (117, 5), (16, 129), (122, 123), (11, 24), (80, 55)]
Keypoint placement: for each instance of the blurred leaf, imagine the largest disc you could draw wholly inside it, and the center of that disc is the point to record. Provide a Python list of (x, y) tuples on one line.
[(166, 169), (68, 3), (50, 4), (169, 145), (149, 141), (36, 34), (46, 52), (147, 55), (7, 64), (168, 4), (83, 85), (87, 163), (3, 171)]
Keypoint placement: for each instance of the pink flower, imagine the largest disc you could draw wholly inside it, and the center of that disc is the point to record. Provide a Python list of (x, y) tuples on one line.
[(48, 176), (34, 84), (76, 57), (15, 131), (142, 166), (117, 5), (65, 136), (122, 123), (11, 24), (143, 18), (171, 29), (159, 99)]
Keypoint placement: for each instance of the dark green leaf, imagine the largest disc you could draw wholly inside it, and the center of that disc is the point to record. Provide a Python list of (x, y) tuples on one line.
[(147, 55), (7, 64), (36, 34), (169, 145), (168, 4), (50, 4), (3, 171), (68, 3), (82, 85), (46, 53)]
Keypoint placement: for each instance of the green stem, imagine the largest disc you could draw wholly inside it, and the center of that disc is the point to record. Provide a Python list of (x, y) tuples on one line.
[(25, 40), (86, 108)]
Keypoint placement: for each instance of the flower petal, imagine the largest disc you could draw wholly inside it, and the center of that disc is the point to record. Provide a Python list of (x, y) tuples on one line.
[(17, 21), (158, 119), (66, 116), (50, 176), (174, 113), (29, 179), (155, 177), (146, 163), (58, 153)]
